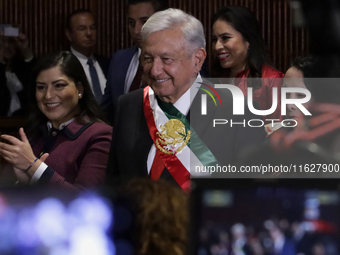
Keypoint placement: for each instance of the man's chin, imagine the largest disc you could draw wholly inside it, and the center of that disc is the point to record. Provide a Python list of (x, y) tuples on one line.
[(89, 45)]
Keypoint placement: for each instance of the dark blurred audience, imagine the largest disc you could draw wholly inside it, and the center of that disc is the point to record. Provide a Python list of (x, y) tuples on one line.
[(240, 243), (16, 62), (282, 245), (81, 31)]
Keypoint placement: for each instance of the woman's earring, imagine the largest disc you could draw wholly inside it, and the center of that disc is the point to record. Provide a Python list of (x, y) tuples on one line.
[(79, 95)]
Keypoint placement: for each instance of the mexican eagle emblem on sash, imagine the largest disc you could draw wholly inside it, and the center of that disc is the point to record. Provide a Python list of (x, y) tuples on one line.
[(173, 137)]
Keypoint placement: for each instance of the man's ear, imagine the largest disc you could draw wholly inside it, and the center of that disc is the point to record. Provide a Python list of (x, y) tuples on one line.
[(199, 57), (68, 34)]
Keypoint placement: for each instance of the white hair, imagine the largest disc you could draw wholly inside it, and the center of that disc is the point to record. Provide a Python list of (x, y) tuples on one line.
[(192, 28)]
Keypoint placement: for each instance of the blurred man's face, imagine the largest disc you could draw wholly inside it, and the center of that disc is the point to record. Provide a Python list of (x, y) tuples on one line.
[(138, 14), (8, 47), (83, 33)]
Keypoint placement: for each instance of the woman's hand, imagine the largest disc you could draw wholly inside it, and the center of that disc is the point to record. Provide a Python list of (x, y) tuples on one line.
[(25, 177), (17, 152)]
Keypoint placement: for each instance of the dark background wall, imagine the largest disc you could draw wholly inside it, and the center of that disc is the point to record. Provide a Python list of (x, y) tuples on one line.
[(43, 21)]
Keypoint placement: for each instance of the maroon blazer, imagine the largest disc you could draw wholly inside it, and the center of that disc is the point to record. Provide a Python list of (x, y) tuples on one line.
[(78, 154)]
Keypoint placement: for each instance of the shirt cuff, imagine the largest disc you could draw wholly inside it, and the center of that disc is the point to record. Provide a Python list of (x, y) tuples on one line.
[(36, 176)]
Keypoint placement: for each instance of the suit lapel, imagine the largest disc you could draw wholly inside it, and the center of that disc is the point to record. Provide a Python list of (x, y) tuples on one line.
[(201, 122), (123, 68), (143, 142)]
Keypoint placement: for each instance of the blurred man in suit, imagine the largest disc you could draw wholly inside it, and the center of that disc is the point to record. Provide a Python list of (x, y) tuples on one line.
[(125, 72), (81, 31)]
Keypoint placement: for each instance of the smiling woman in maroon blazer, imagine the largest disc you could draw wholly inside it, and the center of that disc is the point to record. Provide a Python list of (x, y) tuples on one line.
[(68, 141)]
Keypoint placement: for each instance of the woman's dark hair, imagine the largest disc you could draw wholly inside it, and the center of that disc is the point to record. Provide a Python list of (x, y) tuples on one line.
[(245, 22), (70, 66), (304, 65)]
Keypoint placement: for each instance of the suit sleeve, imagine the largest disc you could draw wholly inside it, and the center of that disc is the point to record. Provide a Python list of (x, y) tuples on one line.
[(5, 97), (107, 100), (112, 169), (91, 172), (23, 71)]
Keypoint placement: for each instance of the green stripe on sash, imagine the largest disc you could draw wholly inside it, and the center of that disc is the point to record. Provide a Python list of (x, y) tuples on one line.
[(196, 145)]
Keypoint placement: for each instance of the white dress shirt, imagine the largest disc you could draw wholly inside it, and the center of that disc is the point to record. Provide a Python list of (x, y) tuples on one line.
[(83, 60), (183, 105), (132, 70)]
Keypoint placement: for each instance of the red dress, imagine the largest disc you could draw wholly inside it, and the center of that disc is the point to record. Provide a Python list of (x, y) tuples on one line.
[(271, 78)]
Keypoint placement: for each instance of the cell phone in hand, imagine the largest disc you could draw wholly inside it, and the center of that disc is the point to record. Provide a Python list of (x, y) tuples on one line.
[(9, 30)]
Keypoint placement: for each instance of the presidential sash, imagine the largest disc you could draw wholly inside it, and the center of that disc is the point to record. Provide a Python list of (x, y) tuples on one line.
[(176, 142)]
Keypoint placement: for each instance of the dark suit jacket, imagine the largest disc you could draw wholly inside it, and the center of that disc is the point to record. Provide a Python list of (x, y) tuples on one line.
[(5, 95), (288, 248), (119, 65), (23, 71), (132, 142)]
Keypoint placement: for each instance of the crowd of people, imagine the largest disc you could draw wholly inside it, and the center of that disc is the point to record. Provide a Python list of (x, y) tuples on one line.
[(274, 237), (68, 92), (95, 121)]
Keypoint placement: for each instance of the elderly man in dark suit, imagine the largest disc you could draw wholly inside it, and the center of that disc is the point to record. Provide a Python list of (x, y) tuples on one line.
[(159, 131)]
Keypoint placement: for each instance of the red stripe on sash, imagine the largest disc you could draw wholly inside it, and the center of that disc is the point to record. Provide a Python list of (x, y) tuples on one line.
[(172, 163)]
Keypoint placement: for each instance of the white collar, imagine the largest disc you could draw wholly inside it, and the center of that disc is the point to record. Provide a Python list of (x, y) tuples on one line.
[(81, 56), (62, 125), (184, 102)]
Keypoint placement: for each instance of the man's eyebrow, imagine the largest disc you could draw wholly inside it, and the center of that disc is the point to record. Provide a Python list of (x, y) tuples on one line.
[(164, 54), (168, 53)]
